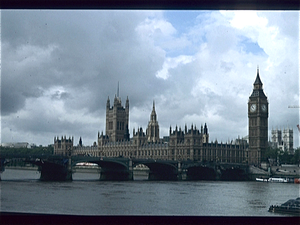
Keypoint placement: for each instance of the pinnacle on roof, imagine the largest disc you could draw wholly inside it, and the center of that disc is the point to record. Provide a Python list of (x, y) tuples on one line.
[(118, 90), (257, 80)]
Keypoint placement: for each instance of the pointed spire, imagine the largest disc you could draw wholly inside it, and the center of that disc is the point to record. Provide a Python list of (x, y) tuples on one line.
[(205, 129), (153, 113), (257, 80), (108, 103), (118, 90), (127, 103), (80, 142)]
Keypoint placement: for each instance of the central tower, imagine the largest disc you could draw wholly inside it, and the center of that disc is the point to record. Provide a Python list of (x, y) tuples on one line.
[(153, 128), (117, 118), (258, 113)]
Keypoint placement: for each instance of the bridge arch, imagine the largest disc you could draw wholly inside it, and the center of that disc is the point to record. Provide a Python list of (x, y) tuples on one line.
[(159, 169), (118, 168), (234, 173)]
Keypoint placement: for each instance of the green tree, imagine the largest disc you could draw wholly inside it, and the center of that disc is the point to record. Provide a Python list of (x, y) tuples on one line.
[(296, 157), (270, 153), (46, 150), (285, 158)]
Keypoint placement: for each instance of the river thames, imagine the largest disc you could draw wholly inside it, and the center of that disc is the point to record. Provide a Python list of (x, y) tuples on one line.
[(21, 191)]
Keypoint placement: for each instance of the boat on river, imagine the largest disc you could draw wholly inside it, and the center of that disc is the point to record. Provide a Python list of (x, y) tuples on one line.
[(292, 207), (262, 179), (278, 180), (273, 180)]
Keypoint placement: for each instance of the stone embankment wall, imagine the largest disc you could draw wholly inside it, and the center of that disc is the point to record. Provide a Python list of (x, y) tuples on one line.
[(284, 171), (292, 171)]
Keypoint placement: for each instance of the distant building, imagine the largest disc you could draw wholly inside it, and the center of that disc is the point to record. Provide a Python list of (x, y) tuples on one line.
[(166, 138), (188, 144), (63, 146), (282, 139), (16, 145), (152, 131), (117, 118), (258, 113)]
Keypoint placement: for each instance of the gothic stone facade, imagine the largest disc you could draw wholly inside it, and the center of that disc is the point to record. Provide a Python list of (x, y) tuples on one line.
[(188, 144), (258, 112), (282, 140), (185, 145), (63, 146), (117, 120)]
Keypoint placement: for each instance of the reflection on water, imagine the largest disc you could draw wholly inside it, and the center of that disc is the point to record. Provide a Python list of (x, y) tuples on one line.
[(17, 174), (33, 174), (21, 191)]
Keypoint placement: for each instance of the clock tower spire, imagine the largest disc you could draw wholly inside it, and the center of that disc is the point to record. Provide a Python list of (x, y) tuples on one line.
[(258, 122)]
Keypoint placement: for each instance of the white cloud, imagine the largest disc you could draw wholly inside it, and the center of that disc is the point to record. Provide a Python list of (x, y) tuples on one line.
[(58, 84), (155, 29), (243, 19), (171, 63)]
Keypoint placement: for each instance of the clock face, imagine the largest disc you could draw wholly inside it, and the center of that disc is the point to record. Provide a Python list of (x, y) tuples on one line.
[(253, 108), (264, 108)]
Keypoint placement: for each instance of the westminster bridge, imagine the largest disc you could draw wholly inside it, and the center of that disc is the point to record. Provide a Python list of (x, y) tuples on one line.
[(54, 167)]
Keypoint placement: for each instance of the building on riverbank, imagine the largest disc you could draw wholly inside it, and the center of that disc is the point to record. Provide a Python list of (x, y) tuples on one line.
[(181, 144), (16, 145), (188, 144)]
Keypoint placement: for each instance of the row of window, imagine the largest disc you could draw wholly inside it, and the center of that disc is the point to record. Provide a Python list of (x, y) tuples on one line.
[(207, 153), (120, 125), (253, 122)]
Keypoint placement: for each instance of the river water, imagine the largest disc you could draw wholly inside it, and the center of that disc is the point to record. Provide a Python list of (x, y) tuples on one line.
[(21, 191)]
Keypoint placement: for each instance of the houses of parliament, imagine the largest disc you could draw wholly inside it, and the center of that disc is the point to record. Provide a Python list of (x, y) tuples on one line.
[(189, 143)]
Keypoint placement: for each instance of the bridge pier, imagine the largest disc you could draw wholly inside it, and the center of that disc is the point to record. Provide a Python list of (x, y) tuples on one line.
[(234, 173), (2, 166), (116, 173), (164, 173), (217, 171), (55, 169), (55, 172)]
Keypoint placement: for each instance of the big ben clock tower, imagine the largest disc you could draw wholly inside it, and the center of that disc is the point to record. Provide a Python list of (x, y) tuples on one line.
[(258, 112)]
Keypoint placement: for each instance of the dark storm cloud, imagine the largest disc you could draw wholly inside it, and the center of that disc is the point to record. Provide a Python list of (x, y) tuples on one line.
[(59, 67), (86, 51), (60, 95), (11, 101)]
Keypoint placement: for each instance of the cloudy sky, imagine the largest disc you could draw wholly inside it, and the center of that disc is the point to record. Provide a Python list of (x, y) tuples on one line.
[(59, 67)]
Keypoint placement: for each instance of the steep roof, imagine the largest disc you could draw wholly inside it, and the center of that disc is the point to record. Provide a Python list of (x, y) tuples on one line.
[(257, 80)]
